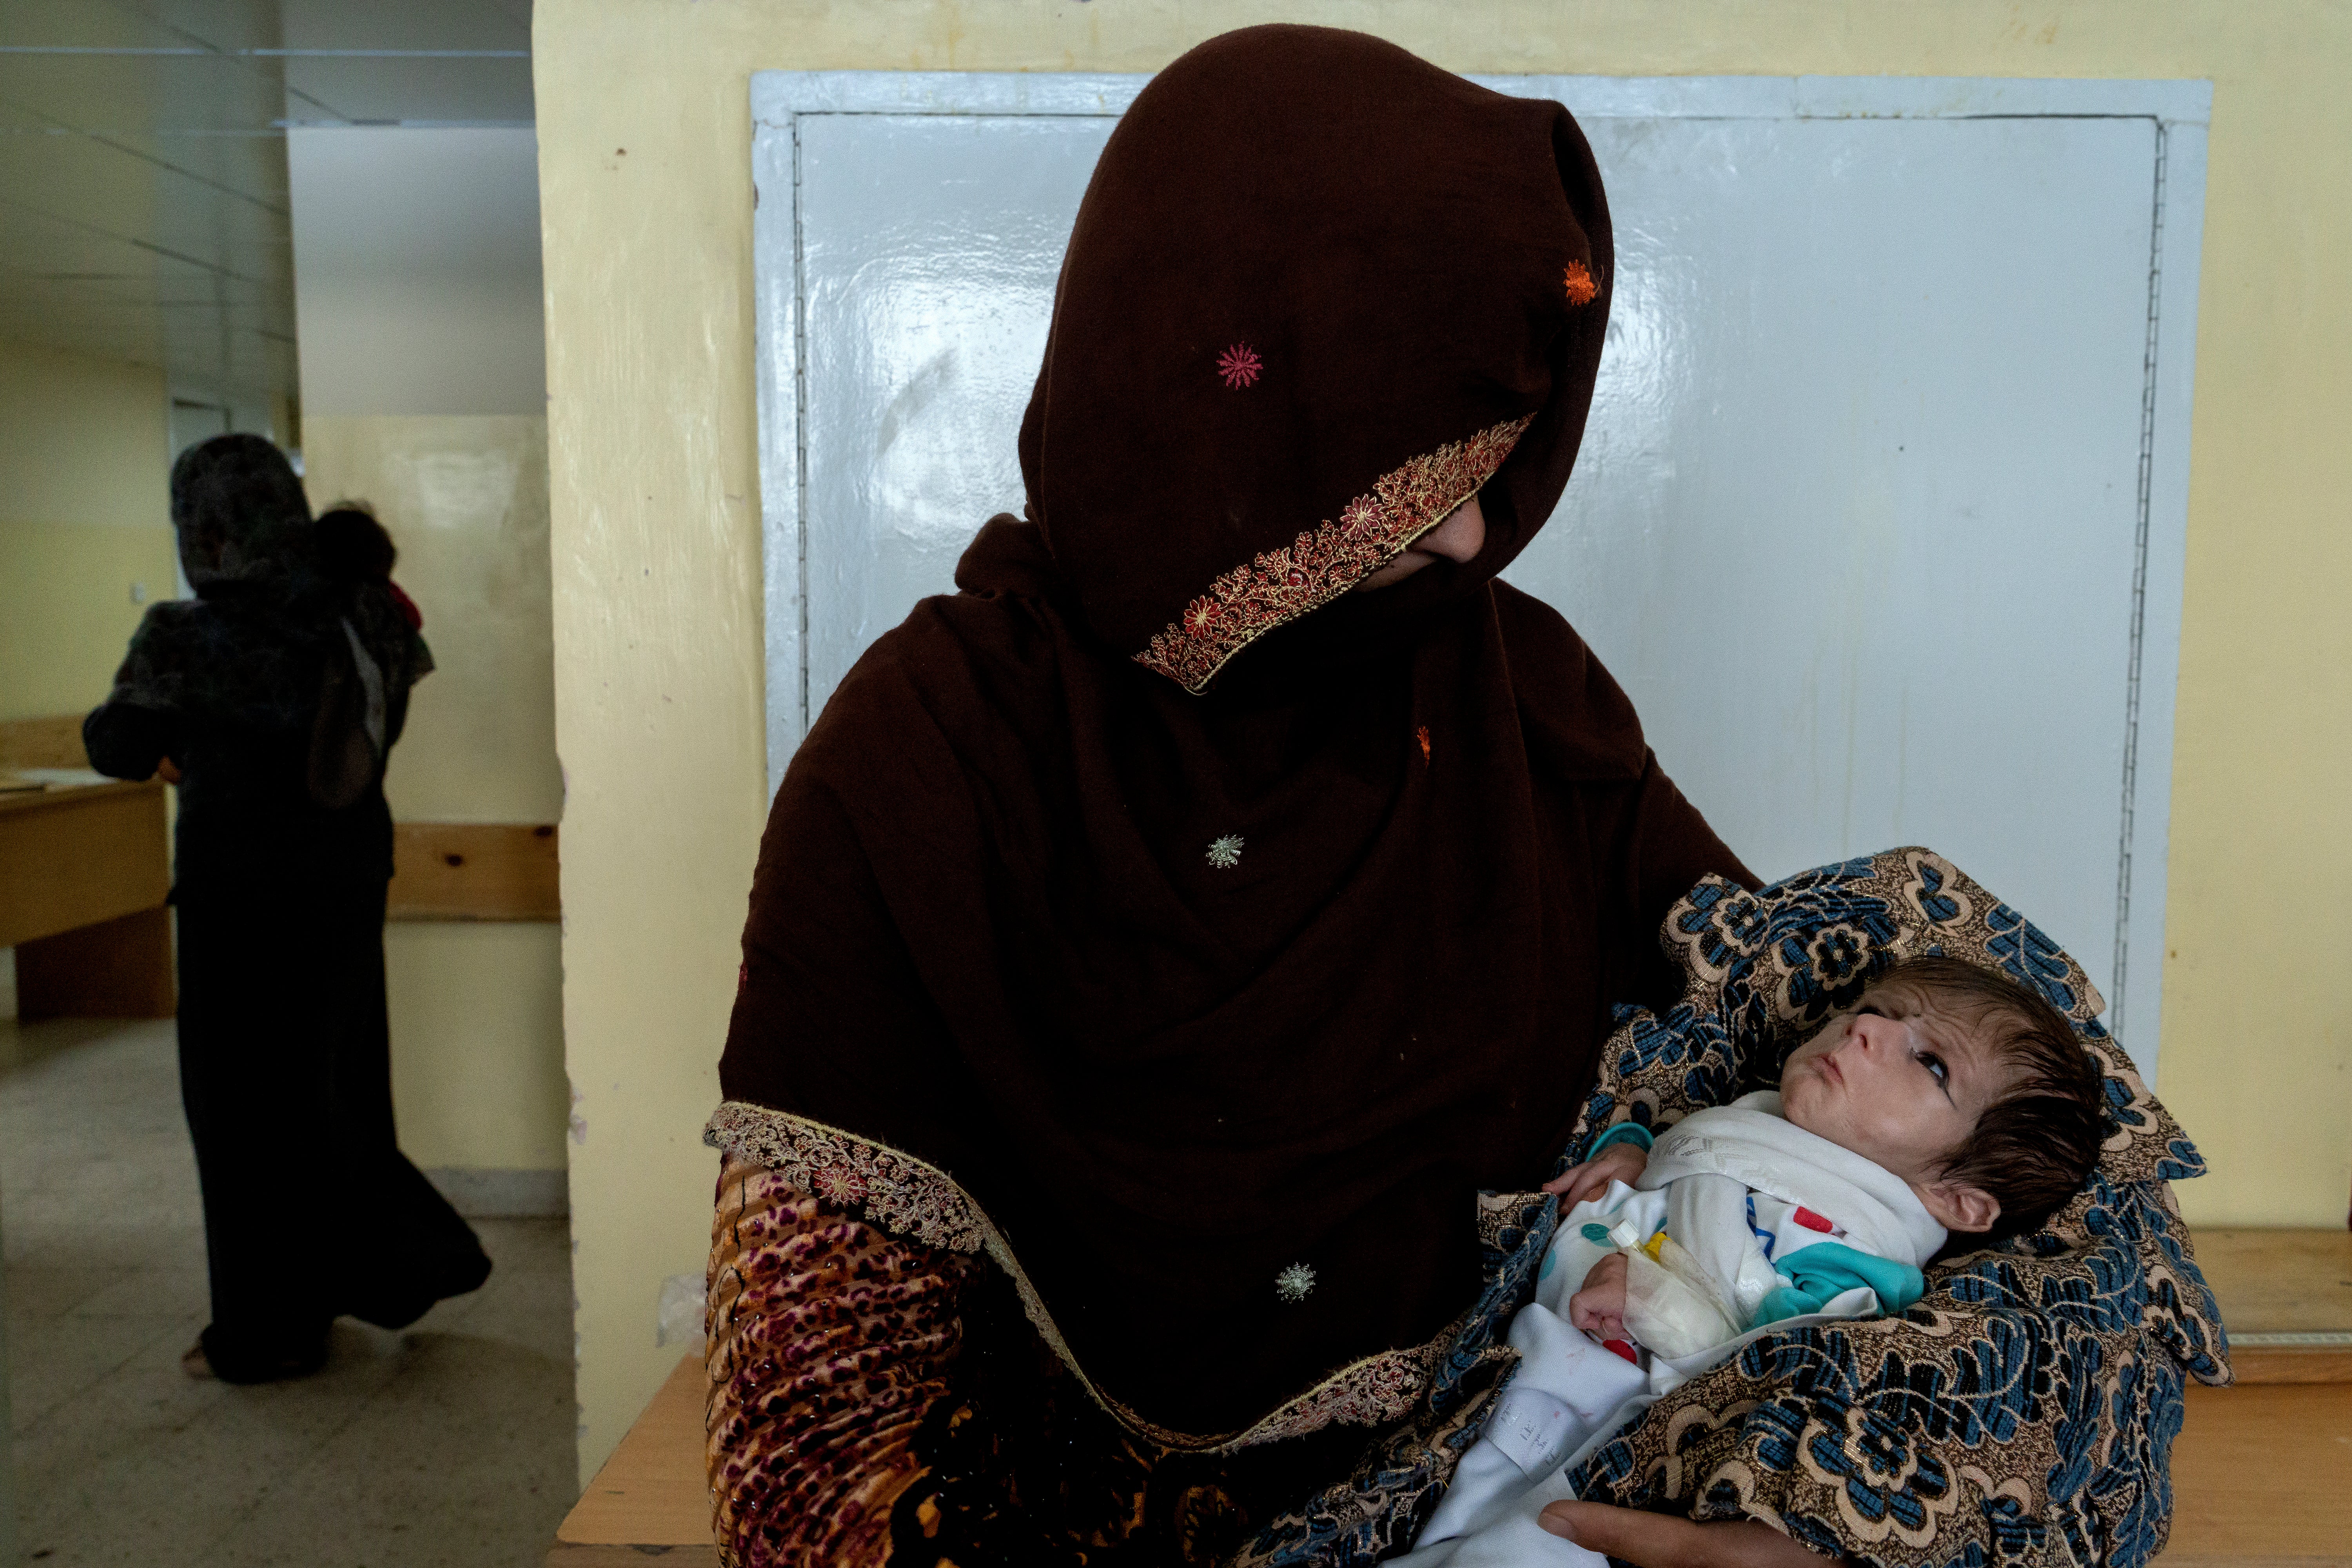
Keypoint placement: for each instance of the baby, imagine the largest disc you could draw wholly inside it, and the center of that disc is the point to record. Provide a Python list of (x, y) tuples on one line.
[(1949, 1099)]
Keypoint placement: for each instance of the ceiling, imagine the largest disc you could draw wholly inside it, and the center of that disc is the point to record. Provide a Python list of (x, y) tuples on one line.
[(143, 209)]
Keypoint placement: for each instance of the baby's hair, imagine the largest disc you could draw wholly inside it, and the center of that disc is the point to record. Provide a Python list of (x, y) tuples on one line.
[(2036, 1143), (350, 546)]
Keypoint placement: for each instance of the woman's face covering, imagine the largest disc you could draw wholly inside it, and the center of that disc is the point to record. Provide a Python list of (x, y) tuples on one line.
[(1458, 539), (1274, 365), (239, 511)]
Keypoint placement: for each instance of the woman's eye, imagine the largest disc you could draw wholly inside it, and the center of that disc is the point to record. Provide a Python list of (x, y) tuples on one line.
[(1934, 1064)]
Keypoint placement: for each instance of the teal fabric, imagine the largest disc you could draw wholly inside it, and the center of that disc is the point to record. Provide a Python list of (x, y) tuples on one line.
[(1622, 1132), (1827, 1270)]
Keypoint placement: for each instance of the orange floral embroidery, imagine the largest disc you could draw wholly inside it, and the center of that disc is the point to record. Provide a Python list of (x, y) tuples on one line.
[(1280, 585), (1420, 734), (1580, 286)]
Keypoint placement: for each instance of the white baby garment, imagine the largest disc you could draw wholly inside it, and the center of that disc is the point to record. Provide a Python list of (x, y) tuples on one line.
[(1735, 1187)]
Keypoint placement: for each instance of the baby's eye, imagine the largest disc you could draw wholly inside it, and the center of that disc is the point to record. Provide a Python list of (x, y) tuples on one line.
[(1934, 1064), (1872, 1008)]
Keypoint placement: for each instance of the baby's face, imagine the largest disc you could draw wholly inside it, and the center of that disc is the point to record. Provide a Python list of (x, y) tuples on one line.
[(1897, 1080)]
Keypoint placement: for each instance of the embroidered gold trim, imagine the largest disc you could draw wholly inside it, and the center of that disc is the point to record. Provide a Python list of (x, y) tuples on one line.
[(897, 1192), (1317, 567), (911, 1198)]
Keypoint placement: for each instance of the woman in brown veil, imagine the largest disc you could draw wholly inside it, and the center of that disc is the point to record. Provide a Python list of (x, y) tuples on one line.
[(1157, 945)]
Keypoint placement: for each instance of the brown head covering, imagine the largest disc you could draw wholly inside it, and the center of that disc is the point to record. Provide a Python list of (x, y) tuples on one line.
[(1317, 291), (1219, 952)]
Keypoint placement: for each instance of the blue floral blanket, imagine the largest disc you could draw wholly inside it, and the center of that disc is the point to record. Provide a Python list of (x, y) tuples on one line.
[(2022, 1412)]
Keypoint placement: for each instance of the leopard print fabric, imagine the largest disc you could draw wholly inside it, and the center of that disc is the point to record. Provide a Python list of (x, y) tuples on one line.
[(828, 1342), (875, 1400)]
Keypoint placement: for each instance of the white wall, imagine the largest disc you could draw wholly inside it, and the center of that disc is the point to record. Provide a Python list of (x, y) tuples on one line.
[(416, 269)]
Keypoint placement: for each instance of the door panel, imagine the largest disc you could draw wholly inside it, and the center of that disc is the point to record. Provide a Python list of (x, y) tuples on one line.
[(1857, 519)]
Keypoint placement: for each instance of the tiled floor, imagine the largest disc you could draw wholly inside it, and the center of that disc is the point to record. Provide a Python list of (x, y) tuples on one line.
[(448, 1443)]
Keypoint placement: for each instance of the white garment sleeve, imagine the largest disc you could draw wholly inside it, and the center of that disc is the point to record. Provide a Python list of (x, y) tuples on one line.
[(1707, 1215)]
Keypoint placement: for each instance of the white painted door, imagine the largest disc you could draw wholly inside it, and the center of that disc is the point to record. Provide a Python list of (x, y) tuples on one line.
[(1878, 518)]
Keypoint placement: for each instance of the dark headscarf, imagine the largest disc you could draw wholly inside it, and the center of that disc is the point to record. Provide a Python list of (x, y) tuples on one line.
[(242, 520), (1219, 951)]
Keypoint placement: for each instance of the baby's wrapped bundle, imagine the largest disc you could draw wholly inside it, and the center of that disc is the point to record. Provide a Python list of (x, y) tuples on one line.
[(2023, 1409)]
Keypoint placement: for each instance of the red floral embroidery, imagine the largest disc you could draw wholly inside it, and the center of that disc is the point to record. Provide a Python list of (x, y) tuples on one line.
[(841, 1186), (1280, 585), (1580, 286), (1239, 366)]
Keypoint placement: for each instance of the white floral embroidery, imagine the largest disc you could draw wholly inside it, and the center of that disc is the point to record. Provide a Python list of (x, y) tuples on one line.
[(1225, 853), (1292, 1283), (898, 1192)]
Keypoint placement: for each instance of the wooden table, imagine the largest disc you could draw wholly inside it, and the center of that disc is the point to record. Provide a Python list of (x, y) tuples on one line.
[(2261, 1473), (84, 872)]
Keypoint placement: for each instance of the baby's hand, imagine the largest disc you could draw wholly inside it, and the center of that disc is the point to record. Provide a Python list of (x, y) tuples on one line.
[(1618, 1163), (1599, 1308)]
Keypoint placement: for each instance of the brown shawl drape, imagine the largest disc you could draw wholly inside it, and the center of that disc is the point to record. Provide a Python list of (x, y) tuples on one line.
[(1192, 935)]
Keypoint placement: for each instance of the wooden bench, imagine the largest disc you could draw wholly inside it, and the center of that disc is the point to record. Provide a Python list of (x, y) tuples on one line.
[(651, 1493), (474, 871), (2261, 1473)]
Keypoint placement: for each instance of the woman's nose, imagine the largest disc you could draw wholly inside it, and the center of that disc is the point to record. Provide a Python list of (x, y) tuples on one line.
[(1460, 537)]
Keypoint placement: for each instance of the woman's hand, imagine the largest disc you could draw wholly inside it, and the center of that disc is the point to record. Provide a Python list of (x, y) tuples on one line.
[(1659, 1541), (1618, 1163)]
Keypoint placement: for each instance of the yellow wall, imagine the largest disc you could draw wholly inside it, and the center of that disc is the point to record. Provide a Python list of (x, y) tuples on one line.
[(85, 513), (476, 1012), (465, 498), (85, 498), (657, 532), (476, 1009)]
